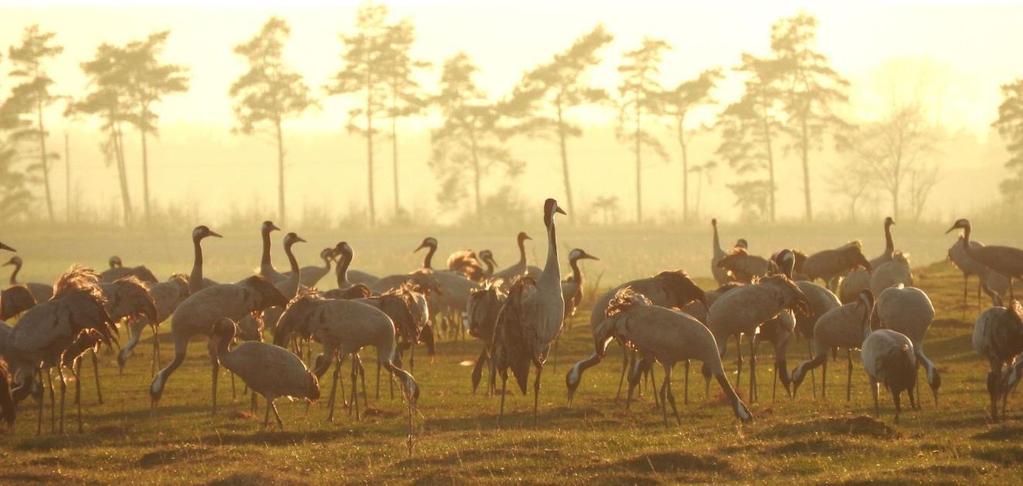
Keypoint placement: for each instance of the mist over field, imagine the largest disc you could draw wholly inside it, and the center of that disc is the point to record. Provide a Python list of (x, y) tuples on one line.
[(945, 61)]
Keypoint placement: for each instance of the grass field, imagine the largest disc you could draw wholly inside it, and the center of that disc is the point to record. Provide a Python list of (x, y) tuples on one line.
[(596, 439)]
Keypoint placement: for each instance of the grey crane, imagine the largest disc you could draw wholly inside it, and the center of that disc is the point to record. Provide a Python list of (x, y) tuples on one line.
[(14, 300), (484, 305), (268, 370), (290, 284), (888, 359), (743, 267), (1005, 260), (120, 271), (202, 311), (266, 266), (745, 309), (719, 273), (859, 279), (467, 263), (47, 330), (998, 336), (344, 327), (196, 281), (531, 319), (666, 289), (572, 287), (520, 268), (345, 290), (892, 273), (311, 275), (665, 335), (989, 280), (40, 291), (909, 311), (166, 296), (487, 258), (840, 327), (829, 265)]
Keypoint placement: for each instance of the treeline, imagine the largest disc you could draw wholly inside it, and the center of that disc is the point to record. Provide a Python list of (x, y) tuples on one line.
[(792, 109)]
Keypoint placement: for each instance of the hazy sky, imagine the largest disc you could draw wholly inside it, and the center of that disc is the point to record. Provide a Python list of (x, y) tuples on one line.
[(953, 55)]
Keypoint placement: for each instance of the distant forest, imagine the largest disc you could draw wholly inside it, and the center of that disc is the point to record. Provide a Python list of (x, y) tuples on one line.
[(792, 109)]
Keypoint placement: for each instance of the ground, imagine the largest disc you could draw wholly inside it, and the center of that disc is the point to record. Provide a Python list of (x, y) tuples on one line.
[(458, 441)]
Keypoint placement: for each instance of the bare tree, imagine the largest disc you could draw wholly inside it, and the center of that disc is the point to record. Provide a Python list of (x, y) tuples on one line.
[(1010, 127), (892, 149), (922, 180)]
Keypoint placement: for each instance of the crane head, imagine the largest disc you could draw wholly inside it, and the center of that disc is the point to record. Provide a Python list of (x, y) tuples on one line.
[(961, 223), (5, 247)]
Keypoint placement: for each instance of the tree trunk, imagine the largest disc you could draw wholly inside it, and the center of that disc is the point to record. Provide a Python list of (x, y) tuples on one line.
[(563, 143), (145, 175), (805, 148), (44, 158), (770, 163), (369, 156), (281, 208), (639, 163), (394, 146), (122, 172), (476, 174), (67, 178), (685, 167)]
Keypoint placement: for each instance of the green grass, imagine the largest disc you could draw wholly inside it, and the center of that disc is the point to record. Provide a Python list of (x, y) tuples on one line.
[(803, 439)]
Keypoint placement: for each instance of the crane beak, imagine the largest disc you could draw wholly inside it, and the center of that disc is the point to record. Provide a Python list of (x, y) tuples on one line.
[(299, 239), (5, 247), (953, 228), (557, 209), (273, 227), (420, 247), (214, 234), (8, 262), (590, 257)]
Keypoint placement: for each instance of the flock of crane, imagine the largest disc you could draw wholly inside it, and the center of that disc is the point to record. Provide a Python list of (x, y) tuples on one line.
[(518, 314)]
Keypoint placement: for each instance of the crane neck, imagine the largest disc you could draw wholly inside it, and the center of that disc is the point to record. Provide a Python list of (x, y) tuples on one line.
[(265, 264), (490, 268), (551, 271), (428, 259), (522, 251), (342, 270), (889, 244), (326, 262), (577, 273), (195, 278), (717, 241), (14, 273), (292, 260)]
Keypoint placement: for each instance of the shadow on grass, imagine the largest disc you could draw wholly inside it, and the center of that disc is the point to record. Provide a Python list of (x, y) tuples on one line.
[(860, 425)]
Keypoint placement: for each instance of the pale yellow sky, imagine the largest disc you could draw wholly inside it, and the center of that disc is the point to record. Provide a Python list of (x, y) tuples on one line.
[(951, 56)]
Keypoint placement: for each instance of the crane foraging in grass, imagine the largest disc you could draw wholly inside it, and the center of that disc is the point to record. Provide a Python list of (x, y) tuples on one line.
[(998, 336), (199, 315), (909, 311), (268, 370), (665, 335)]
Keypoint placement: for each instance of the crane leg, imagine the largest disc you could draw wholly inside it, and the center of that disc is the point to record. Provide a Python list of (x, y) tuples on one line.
[(53, 402), (813, 371), (215, 371), (78, 391), (42, 401), (554, 354), (95, 373), (898, 405), (362, 373), (671, 394), (477, 370), (966, 302), (536, 395), (355, 386), (273, 406), (848, 378), (378, 379), (873, 392), (753, 369), (63, 392), (685, 396), (664, 399), (738, 362), (266, 415), (504, 392), (625, 366), (824, 380), (233, 393)]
